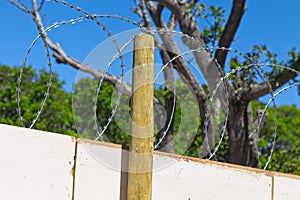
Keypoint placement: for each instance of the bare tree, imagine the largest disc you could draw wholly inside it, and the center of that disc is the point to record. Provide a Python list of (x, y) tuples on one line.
[(243, 148), (242, 144)]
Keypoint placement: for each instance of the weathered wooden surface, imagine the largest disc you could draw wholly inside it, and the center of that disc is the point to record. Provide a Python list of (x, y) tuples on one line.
[(141, 141)]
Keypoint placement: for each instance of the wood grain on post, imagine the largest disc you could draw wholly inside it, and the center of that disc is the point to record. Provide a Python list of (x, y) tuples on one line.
[(142, 127)]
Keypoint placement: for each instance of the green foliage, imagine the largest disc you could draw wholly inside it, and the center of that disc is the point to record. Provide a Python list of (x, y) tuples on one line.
[(57, 113), (248, 71), (190, 7), (287, 149), (83, 102), (185, 130), (214, 17), (188, 137)]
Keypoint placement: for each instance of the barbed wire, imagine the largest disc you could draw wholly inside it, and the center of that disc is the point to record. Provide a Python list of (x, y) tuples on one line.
[(49, 83), (211, 99), (19, 81), (119, 93), (119, 55), (47, 29)]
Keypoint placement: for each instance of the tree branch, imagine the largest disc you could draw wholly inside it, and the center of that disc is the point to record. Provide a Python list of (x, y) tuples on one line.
[(186, 21), (145, 18), (186, 75), (20, 6), (231, 27), (172, 22), (261, 89), (41, 5), (204, 59), (62, 57), (172, 49)]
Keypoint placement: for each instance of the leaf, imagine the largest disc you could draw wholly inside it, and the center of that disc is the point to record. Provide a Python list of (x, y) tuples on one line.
[(190, 7)]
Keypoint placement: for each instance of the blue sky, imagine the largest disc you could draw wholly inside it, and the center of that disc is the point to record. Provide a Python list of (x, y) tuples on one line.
[(274, 23)]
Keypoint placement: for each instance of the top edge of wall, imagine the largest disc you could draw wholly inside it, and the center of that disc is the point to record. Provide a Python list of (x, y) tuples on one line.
[(35, 131), (197, 160)]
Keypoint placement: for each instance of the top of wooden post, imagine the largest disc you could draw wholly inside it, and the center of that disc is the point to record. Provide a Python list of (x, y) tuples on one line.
[(143, 41)]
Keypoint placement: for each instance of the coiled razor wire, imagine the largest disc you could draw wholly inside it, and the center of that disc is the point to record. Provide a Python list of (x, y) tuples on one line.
[(119, 55), (212, 96), (173, 109), (19, 81), (272, 99), (227, 110), (260, 120), (49, 83), (255, 65), (100, 134), (116, 56), (274, 138), (93, 17), (109, 34)]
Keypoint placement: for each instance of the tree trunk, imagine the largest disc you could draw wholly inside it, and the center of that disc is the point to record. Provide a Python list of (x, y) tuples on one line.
[(242, 149), (167, 144)]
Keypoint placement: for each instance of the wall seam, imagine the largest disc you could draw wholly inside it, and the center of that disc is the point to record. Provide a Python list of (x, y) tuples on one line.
[(272, 195), (74, 170)]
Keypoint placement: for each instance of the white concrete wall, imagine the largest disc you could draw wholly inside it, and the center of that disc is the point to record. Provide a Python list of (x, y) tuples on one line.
[(95, 179), (35, 165), (286, 187), (39, 165), (186, 179)]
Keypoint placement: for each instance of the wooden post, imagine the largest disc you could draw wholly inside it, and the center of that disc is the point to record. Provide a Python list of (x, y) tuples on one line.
[(142, 127)]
